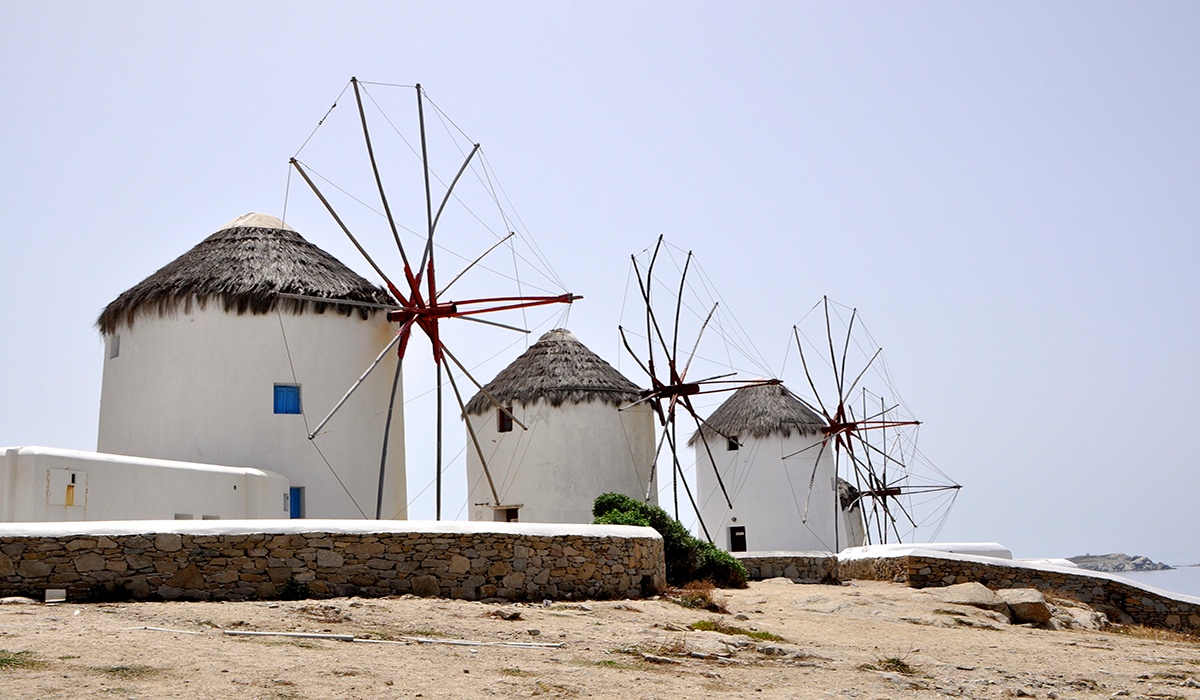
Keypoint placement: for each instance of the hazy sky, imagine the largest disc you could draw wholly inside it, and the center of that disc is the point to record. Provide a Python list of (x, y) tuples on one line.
[(1008, 192)]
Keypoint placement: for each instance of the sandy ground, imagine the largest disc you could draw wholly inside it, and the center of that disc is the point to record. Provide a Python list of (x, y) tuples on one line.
[(863, 640)]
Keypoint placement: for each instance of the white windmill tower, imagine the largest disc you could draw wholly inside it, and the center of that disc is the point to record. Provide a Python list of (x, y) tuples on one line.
[(215, 358), (764, 443), (559, 441)]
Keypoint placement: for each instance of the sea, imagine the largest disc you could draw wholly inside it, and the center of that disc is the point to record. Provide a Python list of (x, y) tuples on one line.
[(1185, 580)]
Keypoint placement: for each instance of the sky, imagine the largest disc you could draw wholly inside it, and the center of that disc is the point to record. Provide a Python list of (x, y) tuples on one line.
[(1007, 192)]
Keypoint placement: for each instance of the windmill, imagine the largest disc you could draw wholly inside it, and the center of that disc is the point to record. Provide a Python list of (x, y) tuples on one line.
[(421, 301), (670, 373), (869, 430)]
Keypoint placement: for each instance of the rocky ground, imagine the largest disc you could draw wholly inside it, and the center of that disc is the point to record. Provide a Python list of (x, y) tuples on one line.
[(1117, 562), (778, 640)]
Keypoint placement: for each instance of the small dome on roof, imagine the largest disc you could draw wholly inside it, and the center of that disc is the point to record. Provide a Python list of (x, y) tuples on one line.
[(256, 220), (246, 265), (560, 369)]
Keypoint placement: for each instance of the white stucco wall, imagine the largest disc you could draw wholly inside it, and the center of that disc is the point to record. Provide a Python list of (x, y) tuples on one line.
[(44, 484), (568, 456), (199, 387), (769, 495)]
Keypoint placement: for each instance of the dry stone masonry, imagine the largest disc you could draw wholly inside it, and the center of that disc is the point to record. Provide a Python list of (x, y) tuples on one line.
[(254, 560), (800, 567), (1122, 602)]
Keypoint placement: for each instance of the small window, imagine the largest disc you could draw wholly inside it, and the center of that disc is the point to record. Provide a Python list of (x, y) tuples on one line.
[(184, 516), (210, 517), (505, 514), (732, 444), (287, 398), (114, 346), (504, 421)]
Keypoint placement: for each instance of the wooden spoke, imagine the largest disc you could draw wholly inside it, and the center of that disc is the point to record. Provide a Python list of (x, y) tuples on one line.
[(362, 115), (687, 404), (812, 479)]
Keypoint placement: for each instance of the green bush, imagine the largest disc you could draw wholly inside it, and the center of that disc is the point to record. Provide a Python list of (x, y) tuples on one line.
[(688, 559)]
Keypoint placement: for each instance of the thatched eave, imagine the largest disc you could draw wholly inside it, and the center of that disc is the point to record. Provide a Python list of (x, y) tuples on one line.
[(557, 369), (245, 267), (760, 411)]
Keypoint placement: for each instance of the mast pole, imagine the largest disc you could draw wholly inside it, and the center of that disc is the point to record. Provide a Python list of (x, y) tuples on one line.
[(438, 515), (387, 429)]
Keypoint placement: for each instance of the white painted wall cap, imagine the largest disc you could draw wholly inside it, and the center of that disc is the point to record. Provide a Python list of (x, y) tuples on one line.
[(102, 458), (992, 550), (332, 526)]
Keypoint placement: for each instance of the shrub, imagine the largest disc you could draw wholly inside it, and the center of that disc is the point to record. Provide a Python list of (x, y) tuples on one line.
[(697, 594), (688, 559)]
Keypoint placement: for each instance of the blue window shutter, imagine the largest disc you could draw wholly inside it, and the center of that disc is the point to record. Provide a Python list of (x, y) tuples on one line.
[(296, 501), (287, 398)]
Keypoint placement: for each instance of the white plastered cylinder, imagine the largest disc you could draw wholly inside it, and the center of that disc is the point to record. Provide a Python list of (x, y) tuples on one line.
[(569, 455), (771, 496), (198, 386)]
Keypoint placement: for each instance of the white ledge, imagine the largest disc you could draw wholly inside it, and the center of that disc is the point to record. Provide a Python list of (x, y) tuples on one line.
[(811, 554), (328, 526), (992, 550)]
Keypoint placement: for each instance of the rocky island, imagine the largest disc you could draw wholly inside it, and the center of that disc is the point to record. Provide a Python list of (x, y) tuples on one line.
[(1116, 563)]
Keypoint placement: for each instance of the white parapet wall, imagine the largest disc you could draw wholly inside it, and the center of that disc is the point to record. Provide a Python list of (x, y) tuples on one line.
[(46, 484)]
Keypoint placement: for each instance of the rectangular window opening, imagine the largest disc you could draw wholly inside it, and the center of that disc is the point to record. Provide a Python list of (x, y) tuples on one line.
[(184, 516), (737, 538), (287, 399), (114, 346), (732, 444), (504, 514), (504, 421)]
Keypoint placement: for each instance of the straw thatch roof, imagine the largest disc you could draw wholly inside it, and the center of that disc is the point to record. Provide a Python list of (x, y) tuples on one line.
[(559, 369), (760, 411), (847, 494), (244, 266)]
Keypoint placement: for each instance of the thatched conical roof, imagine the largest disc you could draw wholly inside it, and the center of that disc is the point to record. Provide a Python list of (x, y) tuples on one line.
[(244, 266), (848, 496), (760, 411), (559, 369)]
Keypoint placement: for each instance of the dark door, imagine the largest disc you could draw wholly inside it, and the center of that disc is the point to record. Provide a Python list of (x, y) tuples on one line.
[(737, 538)]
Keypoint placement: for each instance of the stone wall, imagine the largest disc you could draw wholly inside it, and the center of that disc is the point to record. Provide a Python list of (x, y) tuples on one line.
[(265, 559), (800, 567), (1104, 592)]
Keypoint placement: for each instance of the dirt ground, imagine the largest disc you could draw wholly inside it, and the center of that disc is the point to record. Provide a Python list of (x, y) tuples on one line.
[(861, 640)]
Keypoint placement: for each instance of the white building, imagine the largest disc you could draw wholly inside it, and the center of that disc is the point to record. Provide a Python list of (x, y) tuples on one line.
[(765, 443), (46, 484), (576, 444), (206, 363)]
